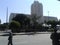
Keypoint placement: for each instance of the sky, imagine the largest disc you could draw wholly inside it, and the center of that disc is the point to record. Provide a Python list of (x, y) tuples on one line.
[(24, 6)]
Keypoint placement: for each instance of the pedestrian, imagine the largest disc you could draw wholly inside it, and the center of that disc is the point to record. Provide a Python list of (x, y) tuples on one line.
[(55, 38), (10, 39)]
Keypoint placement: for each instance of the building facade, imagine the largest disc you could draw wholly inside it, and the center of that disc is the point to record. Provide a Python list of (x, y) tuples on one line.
[(12, 15), (37, 8)]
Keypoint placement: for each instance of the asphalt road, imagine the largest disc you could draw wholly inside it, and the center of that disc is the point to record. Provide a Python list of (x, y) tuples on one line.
[(37, 39)]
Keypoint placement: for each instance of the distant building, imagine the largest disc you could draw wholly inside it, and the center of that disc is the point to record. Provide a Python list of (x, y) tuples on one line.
[(49, 18), (36, 9), (12, 15)]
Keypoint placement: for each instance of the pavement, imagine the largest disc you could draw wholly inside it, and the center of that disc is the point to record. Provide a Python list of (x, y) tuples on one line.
[(27, 33), (37, 39)]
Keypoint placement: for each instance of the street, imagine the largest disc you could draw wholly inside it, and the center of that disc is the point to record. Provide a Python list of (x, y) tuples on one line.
[(37, 39)]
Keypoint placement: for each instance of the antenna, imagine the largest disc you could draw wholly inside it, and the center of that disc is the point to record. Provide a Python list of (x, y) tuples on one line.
[(7, 15)]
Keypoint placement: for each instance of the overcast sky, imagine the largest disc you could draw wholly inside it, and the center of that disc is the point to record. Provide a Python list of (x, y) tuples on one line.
[(24, 6)]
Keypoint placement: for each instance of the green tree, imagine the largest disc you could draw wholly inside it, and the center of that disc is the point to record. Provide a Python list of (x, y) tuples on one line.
[(4, 26), (35, 19), (22, 19), (14, 26), (53, 24)]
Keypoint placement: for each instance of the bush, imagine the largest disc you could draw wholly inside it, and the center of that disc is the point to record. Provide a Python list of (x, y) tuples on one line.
[(14, 26)]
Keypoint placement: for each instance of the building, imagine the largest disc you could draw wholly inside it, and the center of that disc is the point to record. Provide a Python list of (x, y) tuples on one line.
[(12, 15), (49, 18), (36, 9)]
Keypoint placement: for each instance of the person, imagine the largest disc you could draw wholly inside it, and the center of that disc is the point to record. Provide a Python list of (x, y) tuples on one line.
[(55, 38), (10, 39)]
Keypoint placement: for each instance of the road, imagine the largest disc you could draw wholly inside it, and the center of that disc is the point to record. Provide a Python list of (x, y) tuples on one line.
[(37, 39)]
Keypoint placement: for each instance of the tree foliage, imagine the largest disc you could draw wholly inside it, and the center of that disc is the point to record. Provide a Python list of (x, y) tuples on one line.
[(35, 20), (54, 24), (14, 26), (22, 19), (4, 26)]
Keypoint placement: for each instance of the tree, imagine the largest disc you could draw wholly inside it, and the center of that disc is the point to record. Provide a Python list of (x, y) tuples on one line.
[(53, 24), (4, 26), (35, 19), (22, 19), (14, 26)]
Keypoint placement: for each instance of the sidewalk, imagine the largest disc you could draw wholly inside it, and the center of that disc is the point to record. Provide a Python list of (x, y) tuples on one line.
[(27, 33)]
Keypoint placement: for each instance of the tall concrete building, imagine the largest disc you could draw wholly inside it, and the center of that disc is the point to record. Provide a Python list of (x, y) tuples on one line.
[(37, 8)]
